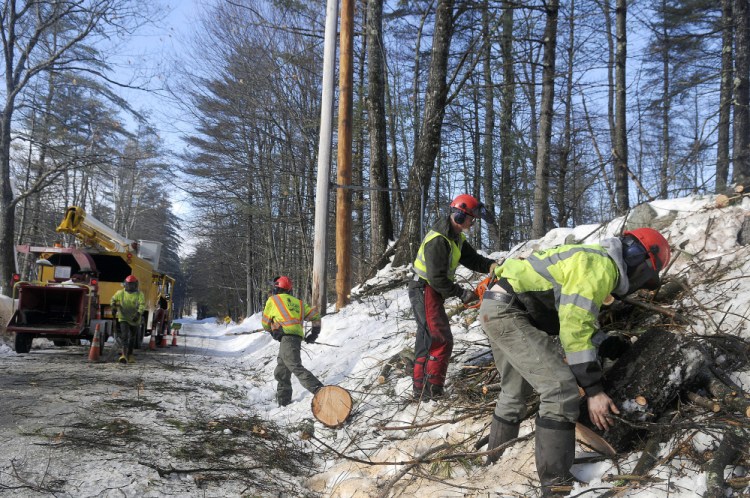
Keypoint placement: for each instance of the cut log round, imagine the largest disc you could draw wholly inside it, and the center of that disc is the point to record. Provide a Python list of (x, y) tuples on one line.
[(593, 440), (332, 405)]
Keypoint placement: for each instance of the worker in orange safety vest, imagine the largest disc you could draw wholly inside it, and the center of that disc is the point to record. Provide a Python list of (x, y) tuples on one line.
[(284, 316)]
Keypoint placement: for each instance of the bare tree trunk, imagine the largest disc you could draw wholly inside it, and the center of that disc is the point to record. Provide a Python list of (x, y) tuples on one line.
[(563, 192), (607, 11), (427, 146), (541, 222), (742, 95), (620, 149), (381, 227), (360, 236), (666, 108), (415, 84), (488, 151), (344, 174), (725, 98), (507, 142)]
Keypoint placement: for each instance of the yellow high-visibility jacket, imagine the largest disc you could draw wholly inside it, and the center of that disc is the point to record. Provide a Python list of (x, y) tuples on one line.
[(130, 306), (562, 289), (441, 252), (289, 312)]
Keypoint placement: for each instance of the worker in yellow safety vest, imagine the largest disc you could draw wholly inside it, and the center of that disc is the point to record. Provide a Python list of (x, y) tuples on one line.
[(442, 250), (559, 291), (128, 305), (284, 316)]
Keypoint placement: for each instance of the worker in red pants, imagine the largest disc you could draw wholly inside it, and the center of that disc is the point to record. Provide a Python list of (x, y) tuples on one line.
[(442, 250)]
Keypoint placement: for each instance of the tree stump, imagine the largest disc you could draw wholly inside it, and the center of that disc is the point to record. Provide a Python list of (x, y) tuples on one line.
[(331, 406), (646, 379)]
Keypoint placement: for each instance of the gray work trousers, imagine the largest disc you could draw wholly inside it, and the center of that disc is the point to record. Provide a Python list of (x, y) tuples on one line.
[(527, 358), (289, 362), (126, 336)]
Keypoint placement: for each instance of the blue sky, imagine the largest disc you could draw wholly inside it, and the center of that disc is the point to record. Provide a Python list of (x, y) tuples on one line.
[(147, 59)]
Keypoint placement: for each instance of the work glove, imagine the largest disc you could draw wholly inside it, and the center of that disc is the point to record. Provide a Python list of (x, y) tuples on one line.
[(614, 346), (313, 336), (468, 296), (495, 265), (277, 334)]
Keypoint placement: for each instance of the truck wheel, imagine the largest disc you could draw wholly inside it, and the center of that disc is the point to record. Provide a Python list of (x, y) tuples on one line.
[(23, 343)]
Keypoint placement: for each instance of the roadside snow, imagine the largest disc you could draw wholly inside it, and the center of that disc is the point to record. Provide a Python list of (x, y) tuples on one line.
[(220, 372)]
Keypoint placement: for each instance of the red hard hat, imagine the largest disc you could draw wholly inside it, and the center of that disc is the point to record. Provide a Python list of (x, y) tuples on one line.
[(654, 243), (470, 205), (466, 203), (131, 278), (283, 282)]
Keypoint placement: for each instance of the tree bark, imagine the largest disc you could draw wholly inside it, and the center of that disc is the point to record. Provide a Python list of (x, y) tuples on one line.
[(428, 144), (742, 95), (488, 149), (563, 191), (666, 106), (541, 222), (725, 97), (655, 368), (507, 143), (381, 230), (344, 172), (620, 149)]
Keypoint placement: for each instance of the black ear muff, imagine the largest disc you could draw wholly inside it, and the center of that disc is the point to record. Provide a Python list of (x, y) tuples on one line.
[(633, 252), (459, 216)]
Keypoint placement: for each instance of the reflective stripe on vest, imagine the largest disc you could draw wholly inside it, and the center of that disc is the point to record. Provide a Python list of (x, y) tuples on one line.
[(287, 318), (420, 265), (541, 266)]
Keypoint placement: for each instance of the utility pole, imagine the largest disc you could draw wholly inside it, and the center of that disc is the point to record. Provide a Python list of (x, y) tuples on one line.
[(344, 176), (324, 160)]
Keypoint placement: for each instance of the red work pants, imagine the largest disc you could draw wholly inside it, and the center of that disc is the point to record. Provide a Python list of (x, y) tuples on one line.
[(434, 343)]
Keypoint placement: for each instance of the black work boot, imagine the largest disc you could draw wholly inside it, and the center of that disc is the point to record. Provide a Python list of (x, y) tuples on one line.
[(555, 452), (501, 432), (434, 391)]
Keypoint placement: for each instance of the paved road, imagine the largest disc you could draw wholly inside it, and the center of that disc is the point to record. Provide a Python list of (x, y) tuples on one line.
[(69, 427)]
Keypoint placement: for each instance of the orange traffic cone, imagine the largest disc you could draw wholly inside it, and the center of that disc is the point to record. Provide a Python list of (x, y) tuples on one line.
[(174, 339), (163, 342), (152, 342), (95, 346)]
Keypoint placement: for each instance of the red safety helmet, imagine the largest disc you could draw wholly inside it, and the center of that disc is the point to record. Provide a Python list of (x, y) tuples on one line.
[(655, 244), (131, 278), (468, 204), (282, 282)]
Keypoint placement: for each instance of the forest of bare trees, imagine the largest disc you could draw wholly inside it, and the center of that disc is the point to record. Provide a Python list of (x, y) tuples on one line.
[(554, 113)]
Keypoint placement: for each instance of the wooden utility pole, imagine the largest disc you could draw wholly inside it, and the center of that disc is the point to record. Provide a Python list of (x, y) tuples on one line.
[(320, 256), (344, 176)]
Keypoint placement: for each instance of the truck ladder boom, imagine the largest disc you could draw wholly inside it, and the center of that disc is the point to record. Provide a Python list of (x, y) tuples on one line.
[(92, 231)]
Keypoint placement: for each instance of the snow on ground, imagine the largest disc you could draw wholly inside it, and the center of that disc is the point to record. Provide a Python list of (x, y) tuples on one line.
[(227, 371)]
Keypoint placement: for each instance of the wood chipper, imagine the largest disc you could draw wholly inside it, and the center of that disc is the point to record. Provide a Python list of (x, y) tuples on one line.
[(73, 286)]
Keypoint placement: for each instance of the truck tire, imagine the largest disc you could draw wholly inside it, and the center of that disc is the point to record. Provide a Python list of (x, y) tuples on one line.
[(23, 343)]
